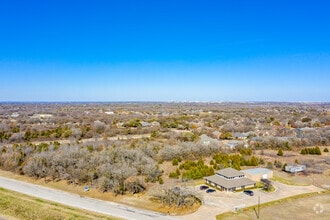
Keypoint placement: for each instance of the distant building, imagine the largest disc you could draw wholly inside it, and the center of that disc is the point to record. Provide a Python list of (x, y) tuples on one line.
[(145, 124), (240, 136), (14, 115), (295, 168), (206, 140), (41, 116), (232, 144), (229, 179), (155, 124), (243, 136), (258, 174)]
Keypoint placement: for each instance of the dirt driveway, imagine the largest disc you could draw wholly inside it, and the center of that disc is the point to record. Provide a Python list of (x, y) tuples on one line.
[(220, 202)]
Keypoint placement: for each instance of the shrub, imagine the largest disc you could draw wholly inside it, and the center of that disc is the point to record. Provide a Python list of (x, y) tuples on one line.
[(277, 164), (173, 175), (269, 165), (175, 162), (325, 150), (280, 152)]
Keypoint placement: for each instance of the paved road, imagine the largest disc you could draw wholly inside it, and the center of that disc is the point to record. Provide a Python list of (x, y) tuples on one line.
[(100, 206)]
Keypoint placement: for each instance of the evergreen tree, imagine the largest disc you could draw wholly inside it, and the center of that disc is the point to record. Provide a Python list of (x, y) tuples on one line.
[(280, 152)]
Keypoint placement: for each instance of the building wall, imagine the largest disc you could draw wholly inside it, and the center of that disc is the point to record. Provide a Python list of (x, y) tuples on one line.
[(230, 189)]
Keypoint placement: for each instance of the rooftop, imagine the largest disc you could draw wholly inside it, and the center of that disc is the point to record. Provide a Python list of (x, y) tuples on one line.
[(258, 170), (229, 172), (230, 183)]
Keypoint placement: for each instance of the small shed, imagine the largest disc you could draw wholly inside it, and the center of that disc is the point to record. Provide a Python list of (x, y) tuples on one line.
[(295, 168), (258, 174)]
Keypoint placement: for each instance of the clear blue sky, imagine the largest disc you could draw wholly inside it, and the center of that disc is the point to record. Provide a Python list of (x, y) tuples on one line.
[(221, 50)]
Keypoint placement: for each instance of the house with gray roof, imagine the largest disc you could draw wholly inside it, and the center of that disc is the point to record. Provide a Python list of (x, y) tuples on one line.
[(229, 179)]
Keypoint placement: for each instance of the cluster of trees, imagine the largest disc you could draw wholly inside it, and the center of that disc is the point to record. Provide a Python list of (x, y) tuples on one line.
[(311, 150), (191, 170), (108, 168), (59, 132), (195, 170), (188, 150), (177, 197), (235, 161)]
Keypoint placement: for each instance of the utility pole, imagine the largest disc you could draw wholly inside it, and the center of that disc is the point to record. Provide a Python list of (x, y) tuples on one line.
[(258, 207), (257, 211)]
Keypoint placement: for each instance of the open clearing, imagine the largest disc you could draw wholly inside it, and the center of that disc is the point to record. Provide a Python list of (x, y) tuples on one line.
[(311, 206)]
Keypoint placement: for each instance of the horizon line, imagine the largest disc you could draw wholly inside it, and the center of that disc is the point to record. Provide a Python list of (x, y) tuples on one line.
[(141, 101)]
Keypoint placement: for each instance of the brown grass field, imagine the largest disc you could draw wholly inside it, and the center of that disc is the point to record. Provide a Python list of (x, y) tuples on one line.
[(307, 206), (19, 206)]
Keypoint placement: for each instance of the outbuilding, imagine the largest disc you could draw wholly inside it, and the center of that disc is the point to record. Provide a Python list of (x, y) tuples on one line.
[(258, 174), (295, 168)]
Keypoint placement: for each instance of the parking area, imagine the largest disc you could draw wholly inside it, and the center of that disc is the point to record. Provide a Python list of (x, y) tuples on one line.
[(219, 202)]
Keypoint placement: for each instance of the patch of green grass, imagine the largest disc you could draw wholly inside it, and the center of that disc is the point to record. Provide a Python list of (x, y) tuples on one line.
[(39, 200), (21, 206)]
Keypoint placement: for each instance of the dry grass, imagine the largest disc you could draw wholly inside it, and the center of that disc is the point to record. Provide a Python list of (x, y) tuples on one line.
[(20, 206), (288, 181), (296, 207)]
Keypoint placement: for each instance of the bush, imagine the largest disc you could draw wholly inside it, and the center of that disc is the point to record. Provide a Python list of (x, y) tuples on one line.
[(283, 167), (325, 150), (173, 175), (269, 165), (280, 152), (306, 119), (277, 164), (175, 162)]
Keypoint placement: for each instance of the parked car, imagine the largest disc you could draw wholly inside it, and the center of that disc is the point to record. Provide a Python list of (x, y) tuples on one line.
[(210, 190), (203, 187), (249, 192)]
